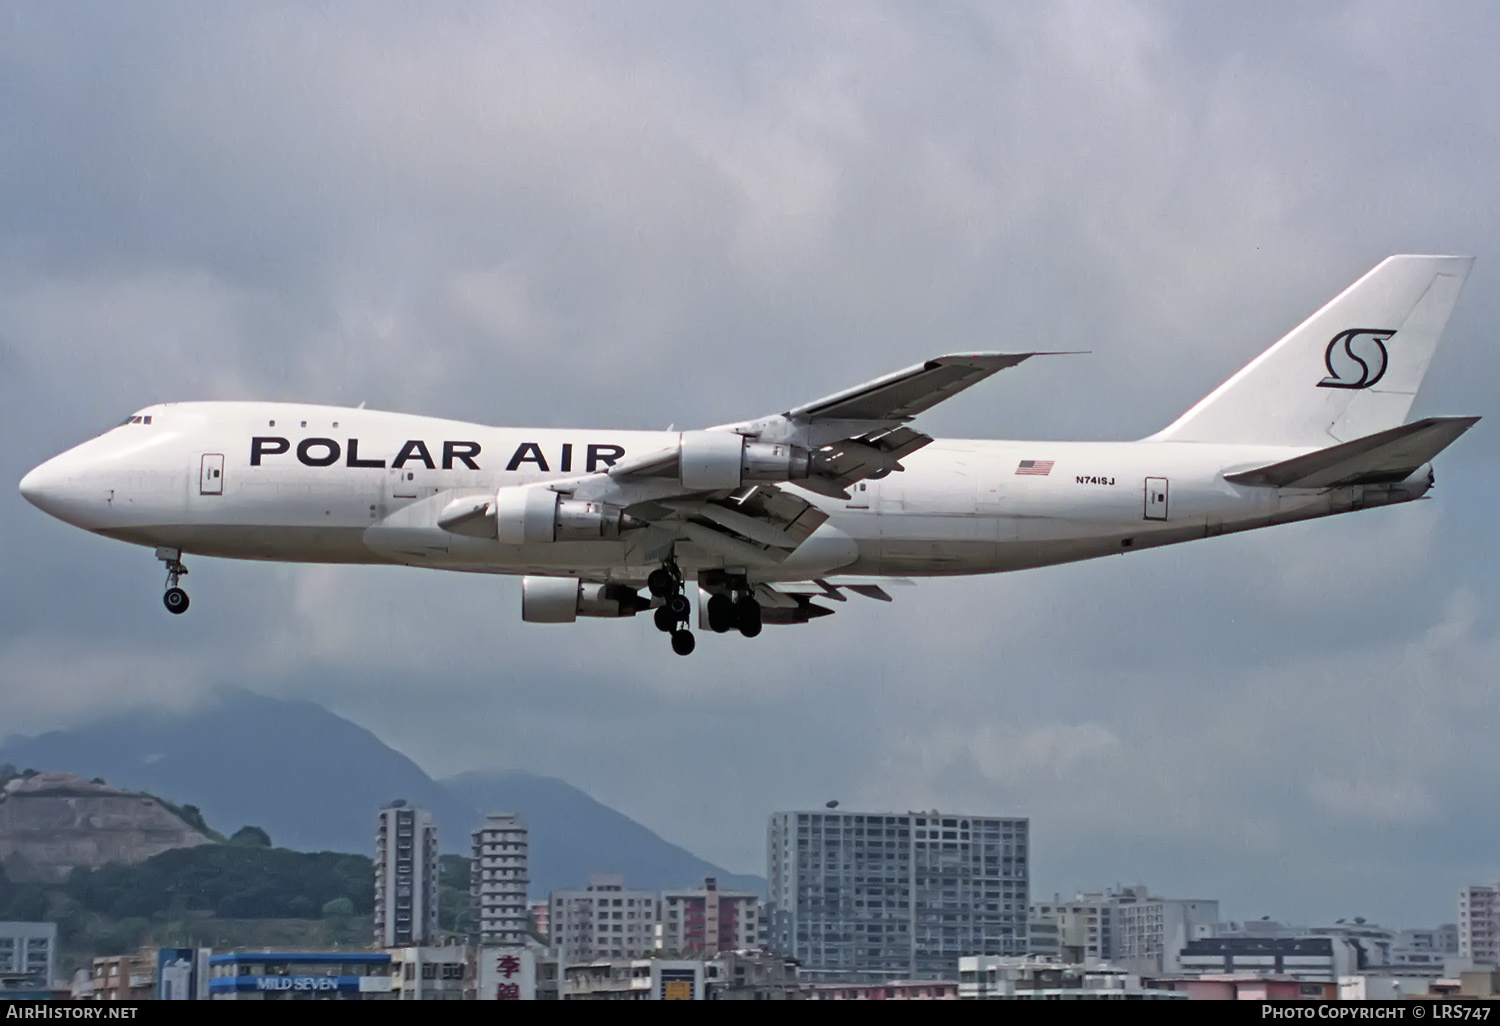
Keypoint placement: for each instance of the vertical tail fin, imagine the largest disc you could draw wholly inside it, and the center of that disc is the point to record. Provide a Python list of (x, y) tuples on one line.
[(1349, 370)]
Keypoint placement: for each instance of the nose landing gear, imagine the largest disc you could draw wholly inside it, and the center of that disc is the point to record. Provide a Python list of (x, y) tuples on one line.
[(175, 599)]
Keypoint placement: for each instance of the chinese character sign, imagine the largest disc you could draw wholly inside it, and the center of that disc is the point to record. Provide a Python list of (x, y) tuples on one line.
[(507, 974)]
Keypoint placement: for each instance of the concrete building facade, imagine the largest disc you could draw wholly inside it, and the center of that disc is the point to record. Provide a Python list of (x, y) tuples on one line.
[(1083, 926), (1479, 925), (857, 895), (28, 956), (1307, 959), (1129, 927), (602, 922), (123, 978), (1440, 939), (991, 978), (499, 878), (704, 920), (1149, 933), (427, 973), (406, 877)]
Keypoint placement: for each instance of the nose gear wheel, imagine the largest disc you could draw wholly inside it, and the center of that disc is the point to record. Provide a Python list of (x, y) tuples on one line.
[(175, 599)]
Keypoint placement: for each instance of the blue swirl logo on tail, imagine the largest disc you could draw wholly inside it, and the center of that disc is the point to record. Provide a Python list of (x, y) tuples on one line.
[(1356, 358)]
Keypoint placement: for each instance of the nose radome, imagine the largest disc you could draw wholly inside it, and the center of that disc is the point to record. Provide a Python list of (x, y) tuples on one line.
[(34, 486)]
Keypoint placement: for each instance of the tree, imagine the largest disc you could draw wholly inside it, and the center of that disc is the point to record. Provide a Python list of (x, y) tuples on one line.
[(250, 837), (338, 908)]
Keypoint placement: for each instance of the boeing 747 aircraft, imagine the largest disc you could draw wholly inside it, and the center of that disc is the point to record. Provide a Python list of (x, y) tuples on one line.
[(773, 519)]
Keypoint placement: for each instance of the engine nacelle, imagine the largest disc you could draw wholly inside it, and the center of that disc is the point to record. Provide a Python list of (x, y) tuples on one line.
[(713, 460), (526, 516), (565, 599)]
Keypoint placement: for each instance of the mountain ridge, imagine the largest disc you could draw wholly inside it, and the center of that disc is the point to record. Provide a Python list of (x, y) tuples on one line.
[(316, 781)]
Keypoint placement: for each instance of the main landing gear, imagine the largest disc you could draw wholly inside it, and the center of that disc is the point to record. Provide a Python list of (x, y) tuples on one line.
[(175, 599), (733, 609), (738, 611), (672, 615)]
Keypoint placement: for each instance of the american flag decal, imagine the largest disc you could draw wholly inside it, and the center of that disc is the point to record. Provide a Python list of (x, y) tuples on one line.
[(1035, 468)]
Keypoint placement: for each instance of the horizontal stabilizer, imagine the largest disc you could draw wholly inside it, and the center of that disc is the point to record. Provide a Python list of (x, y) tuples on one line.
[(1381, 458)]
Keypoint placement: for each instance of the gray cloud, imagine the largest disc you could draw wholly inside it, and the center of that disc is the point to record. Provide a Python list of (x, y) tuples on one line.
[(602, 215)]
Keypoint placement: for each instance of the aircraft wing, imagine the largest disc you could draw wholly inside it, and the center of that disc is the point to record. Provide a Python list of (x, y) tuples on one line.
[(858, 433), (757, 520), (901, 396), (796, 601), (758, 525)]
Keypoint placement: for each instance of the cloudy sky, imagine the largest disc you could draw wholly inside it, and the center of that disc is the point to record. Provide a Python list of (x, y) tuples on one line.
[(636, 215)]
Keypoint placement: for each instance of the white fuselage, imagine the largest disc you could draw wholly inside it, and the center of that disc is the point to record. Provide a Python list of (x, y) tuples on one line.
[(301, 483)]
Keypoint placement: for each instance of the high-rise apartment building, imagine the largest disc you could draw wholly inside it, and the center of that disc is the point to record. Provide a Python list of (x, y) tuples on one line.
[(498, 880), (705, 920), (1479, 925), (602, 921), (406, 877), (895, 894)]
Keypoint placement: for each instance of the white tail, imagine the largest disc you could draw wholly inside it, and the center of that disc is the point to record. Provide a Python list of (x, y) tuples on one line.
[(1349, 370)]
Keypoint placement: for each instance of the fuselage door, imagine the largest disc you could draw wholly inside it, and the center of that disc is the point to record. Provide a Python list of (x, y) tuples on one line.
[(404, 482), (1156, 498), (211, 474)]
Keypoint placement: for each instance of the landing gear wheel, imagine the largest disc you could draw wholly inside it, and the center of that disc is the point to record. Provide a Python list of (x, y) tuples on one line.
[(683, 642), (661, 583), (175, 599), (720, 614), (665, 621), (679, 606), (747, 617)]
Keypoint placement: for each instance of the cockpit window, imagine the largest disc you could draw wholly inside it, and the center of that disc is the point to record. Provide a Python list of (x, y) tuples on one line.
[(136, 419)]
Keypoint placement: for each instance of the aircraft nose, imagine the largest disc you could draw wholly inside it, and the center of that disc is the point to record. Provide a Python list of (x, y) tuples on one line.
[(66, 488), (34, 487)]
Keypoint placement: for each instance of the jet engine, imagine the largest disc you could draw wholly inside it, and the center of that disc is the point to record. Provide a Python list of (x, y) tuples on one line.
[(714, 460), (565, 599), (527, 515)]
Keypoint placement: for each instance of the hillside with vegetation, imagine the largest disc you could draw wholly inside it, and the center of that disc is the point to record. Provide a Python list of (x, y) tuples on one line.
[(237, 895)]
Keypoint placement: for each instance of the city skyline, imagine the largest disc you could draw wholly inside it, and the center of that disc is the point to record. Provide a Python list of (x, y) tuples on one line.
[(680, 215)]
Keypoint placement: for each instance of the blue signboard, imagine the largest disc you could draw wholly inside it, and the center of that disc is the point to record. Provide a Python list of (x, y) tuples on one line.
[(283, 984)]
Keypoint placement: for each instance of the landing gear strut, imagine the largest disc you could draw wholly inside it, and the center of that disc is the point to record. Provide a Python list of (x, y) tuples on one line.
[(671, 616), (175, 599)]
